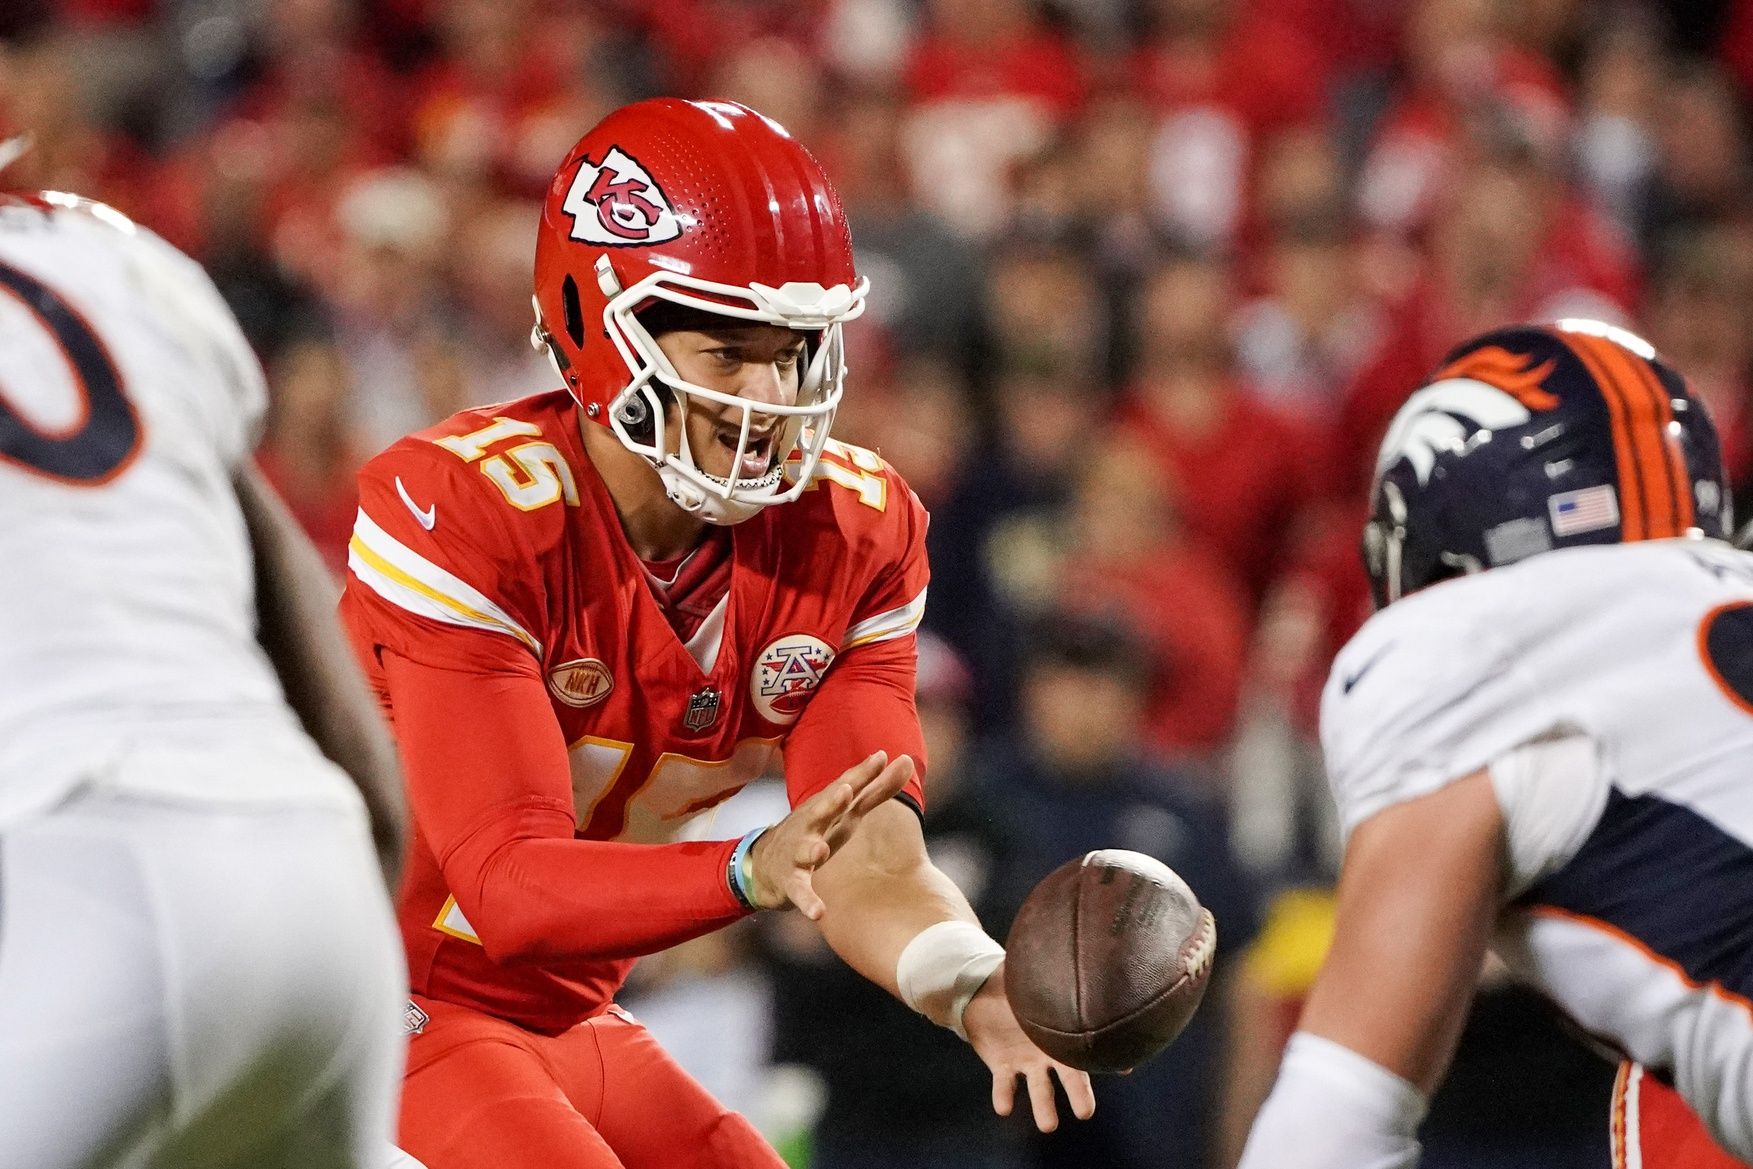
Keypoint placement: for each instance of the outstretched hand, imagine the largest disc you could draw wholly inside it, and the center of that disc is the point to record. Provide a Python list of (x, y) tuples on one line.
[(999, 1041), (783, 861)]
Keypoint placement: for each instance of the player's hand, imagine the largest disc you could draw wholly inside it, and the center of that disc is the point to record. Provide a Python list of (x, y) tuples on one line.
[(999, 1041), (783, 860)]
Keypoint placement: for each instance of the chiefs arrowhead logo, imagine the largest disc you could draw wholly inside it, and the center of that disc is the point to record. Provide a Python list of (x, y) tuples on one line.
[(616, 202)]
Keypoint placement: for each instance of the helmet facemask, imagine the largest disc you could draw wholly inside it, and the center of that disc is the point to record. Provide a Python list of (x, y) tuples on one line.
[(638, 414)]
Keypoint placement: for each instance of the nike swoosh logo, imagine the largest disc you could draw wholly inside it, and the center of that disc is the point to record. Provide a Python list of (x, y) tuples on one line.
[(427, 518), (1356, 675)]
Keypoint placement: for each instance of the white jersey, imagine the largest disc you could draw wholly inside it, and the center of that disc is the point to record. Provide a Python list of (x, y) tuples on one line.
[(128, 398), (1630, 898)]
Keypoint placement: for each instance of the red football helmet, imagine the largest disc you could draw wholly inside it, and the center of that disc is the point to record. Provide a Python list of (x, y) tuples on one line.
[(713, 207)]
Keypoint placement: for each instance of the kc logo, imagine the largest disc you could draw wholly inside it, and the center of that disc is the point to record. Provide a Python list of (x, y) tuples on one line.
[(786, 674), (616, 202)]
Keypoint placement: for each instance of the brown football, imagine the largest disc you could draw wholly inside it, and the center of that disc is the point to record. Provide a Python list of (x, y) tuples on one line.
[(1108, 959)]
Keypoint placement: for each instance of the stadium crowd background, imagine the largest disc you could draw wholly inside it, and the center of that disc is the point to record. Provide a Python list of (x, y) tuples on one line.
[(1149, 277)]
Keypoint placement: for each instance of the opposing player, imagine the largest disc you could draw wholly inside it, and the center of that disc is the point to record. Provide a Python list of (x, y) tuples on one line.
[(596, 613), (198, 961), (1540, 745)]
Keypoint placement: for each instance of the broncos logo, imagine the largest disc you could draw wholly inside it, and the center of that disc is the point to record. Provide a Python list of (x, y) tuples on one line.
[(1487, 389)]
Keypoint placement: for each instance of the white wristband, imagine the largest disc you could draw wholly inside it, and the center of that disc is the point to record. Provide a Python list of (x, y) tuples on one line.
[(943, 968)]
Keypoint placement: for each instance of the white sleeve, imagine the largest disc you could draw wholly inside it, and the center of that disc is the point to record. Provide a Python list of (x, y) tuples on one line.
[(1551, 794), (235, 413), (1425, 694), (1333, 1109)]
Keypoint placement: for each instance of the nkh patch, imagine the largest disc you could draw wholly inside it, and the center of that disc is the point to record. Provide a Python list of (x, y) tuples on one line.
[(414, 1020), (584, 682), (1588, 509)]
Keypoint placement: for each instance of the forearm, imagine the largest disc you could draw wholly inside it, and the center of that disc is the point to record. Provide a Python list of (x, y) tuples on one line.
[(879, 899), (1417, 897), (536, 894), (896, 919), (491, 785), (295, 601)]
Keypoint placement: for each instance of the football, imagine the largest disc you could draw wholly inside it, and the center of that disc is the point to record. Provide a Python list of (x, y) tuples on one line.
[(1107, 960)]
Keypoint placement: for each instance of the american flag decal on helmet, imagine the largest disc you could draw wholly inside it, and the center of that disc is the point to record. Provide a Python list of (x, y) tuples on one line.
[(1587, 510)]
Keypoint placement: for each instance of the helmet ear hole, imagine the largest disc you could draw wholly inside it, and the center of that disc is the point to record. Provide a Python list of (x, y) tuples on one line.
[(574, 314)]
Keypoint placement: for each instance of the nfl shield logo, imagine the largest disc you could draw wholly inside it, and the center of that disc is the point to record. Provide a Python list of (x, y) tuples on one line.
[(702, 710)]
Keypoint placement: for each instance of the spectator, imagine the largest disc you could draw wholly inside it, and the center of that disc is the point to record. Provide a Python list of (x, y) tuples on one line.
[(778, 78), (1623, 72), (488, 269), (42, 92), (1303, 340), (1225, 80), (1124, 555), (992, 549), (1078, 777), (1108, 158), (311, 452), (507, 95), (989, 84), (1698, 317), (1045, 309), (389, 305), (1702, 138), (1242, 468), (921, 421), (1512, 244), (925, 280), (1459, 63), (693, 36)]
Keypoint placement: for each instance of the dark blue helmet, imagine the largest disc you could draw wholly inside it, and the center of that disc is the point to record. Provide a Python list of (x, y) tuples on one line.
[(1537, 437)]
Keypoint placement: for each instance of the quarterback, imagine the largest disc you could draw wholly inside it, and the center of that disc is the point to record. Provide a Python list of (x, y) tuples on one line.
[(198, 961), (595, 614), (1539, 745)]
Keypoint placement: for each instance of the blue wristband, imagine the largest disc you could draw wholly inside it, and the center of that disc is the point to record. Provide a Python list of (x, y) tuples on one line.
[(734, 874)]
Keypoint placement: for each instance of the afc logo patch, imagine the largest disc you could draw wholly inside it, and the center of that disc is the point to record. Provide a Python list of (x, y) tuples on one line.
[(414, 1020), (786, 674), (616, 202)]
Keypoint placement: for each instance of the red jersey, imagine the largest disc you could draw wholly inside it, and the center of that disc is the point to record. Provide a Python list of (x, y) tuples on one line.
[(488, 558)]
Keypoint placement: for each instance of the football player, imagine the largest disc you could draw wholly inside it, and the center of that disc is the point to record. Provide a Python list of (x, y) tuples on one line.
[(198, 959), (1539, 745), (595, 613)]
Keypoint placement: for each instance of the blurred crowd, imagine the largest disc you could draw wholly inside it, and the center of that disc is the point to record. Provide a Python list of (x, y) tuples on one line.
[(1149, 277)]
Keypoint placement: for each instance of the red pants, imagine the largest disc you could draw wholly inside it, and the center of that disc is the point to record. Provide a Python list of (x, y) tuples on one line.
[(1654, 1129), (482, 1093)]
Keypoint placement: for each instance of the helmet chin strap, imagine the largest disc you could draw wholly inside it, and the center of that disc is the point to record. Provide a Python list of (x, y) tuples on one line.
[(714, 509)]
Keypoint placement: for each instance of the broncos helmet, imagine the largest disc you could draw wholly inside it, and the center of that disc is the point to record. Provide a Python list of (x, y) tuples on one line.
[(1537, 437)]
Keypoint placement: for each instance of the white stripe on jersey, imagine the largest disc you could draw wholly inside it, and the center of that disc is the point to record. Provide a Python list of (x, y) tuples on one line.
[(888, 626), (1646, 1006), (409, 581)]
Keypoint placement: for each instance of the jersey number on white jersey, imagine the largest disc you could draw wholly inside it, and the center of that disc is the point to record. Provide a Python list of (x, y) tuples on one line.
[(107, 435)]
